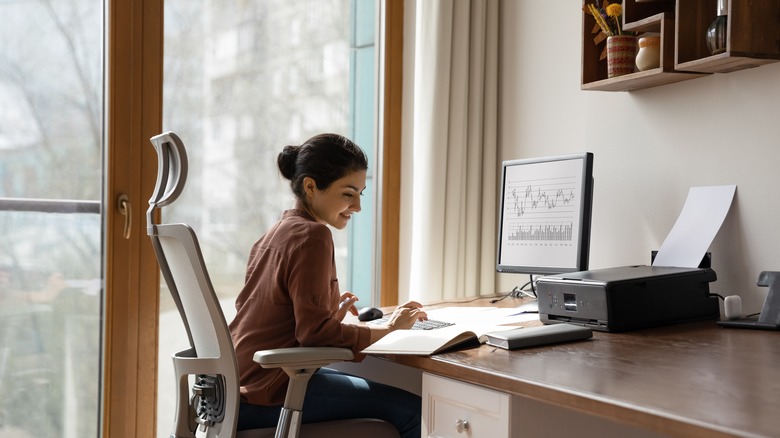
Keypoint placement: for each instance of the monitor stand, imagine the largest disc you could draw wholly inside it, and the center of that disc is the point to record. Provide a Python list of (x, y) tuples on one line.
[(769, 319)]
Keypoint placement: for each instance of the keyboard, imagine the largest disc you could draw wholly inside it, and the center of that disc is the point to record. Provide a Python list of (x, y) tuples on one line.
[(428, 324)]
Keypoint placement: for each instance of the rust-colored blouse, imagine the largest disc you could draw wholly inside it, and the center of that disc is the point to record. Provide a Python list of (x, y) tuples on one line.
[(289, 299)]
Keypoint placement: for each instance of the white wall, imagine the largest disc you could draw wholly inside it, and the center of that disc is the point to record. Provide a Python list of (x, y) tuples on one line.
[(650, 146)]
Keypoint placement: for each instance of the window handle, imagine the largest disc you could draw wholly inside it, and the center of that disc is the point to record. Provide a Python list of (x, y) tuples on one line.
[(124, 208)]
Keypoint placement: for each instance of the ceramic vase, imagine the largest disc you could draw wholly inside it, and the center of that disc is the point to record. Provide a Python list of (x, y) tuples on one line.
[(649, 54), (621, 55)]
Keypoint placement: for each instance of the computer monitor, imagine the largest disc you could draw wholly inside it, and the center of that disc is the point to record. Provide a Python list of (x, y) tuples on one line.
[(545, 215)]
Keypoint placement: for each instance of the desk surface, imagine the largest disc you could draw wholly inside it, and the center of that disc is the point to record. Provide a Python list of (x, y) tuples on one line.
[(692, 379)]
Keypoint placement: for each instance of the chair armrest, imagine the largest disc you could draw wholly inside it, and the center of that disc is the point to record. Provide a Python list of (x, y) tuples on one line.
[(301, 357)]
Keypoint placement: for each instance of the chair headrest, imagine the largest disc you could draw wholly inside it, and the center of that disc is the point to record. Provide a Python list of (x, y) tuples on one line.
[(171, 171)]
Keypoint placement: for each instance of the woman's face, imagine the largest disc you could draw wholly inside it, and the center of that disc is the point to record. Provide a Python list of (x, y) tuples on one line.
[(334, 205)]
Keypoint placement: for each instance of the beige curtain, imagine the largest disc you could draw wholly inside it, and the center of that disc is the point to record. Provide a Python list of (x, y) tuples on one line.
[(454, 149)]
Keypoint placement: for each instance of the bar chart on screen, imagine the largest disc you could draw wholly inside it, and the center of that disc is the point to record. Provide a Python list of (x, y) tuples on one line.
[(532, 232)]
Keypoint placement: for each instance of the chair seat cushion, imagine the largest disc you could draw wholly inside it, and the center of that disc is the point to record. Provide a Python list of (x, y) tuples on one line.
[(359, 427)]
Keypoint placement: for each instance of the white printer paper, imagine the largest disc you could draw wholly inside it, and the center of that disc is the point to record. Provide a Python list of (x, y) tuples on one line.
[(695, 229)]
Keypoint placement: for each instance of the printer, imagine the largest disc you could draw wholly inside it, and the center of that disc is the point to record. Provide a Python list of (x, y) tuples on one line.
[(627, 298)]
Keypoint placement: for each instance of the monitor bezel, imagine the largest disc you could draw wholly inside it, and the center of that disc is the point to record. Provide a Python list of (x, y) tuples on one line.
[(585, 217)]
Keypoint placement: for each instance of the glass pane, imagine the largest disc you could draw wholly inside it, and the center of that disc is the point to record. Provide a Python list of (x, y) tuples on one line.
[(242, 79), (51, 93), (49, 324)]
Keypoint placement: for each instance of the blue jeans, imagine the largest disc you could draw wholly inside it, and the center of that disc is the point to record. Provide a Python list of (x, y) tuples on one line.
[(333, 395)]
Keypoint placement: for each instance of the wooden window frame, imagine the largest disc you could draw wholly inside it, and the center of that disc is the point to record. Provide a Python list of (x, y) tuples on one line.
[(391, 151), (133, 114)]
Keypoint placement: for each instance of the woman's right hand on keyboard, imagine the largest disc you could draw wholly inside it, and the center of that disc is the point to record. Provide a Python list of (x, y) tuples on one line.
[(405, 315)]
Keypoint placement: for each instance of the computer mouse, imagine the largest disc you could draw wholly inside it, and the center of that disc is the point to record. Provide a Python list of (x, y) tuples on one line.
[(369, 314)]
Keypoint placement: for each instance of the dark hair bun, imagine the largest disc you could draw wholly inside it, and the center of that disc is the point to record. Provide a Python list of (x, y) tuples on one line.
[(286, 161), (323, 158)]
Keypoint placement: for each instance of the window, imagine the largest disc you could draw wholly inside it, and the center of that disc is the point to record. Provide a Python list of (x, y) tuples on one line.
[(242, 80), (51, 180)]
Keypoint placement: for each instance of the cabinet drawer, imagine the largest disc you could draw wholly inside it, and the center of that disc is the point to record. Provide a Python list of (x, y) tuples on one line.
[(459, 410)]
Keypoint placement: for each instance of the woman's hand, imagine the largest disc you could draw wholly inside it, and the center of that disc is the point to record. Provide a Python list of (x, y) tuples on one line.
[(403, 317), (406, 315), (346, 304)]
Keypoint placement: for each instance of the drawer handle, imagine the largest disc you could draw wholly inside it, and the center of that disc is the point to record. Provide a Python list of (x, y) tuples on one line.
[(461, 425)]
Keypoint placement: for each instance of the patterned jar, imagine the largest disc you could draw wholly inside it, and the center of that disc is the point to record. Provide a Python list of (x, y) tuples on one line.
[(621, 54)]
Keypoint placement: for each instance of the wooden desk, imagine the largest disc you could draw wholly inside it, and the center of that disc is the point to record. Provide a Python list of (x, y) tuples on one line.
[(691, 380)]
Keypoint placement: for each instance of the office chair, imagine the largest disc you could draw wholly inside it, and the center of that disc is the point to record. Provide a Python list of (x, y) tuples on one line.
[(210, 406)]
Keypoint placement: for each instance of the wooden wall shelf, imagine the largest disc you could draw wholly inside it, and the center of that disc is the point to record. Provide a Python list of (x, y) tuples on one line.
[(753, 30), (753, 35)]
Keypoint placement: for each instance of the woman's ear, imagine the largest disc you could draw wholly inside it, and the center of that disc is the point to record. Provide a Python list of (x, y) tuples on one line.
[(309, 185)]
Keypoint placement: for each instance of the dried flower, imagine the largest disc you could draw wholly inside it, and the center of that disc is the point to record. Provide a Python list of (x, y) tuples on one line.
[(614, 11), (608, 18), (599, 16)]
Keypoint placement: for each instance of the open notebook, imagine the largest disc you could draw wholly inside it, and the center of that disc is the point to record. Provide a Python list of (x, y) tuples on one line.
[(471, 324), (425, 342)]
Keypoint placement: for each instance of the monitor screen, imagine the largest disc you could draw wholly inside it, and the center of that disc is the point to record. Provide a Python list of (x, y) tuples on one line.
[(544, 219)]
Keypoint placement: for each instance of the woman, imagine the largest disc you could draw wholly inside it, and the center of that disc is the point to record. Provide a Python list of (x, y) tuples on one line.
[(291, 297)]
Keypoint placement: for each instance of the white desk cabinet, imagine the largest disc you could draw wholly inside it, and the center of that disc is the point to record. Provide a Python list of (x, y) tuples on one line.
[(453, 409), (456, 409)]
